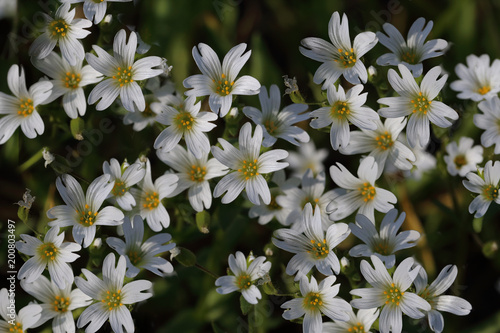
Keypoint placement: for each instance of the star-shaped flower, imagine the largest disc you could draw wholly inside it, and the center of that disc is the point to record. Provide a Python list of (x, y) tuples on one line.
[(418, 103), (340, 57)]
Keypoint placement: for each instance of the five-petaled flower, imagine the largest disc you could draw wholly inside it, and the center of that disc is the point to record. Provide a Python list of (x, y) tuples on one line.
[(341, 57), (64, 30), (122, 73), (219, 81)]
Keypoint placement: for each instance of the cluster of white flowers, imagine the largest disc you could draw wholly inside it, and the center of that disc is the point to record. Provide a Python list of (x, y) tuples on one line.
[(314, 218)]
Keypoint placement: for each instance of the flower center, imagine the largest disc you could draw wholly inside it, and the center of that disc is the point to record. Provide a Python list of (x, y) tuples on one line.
[(426, 294), (134, 256), (367, 191), (384, 141), (249, 169), (490, 192), (123, 75), (460, 161), (319, 250), (358, 328), (113, 299), (61, 304), (340, 109), (312, 301), (87, 217), (184, 121), (152, 201), (393, 295), (72, 80), (58, 28), (48, 251), (484, 90), (243, 281), (420, 104), (382, 248), (119, 188), (17, 328), (224, 86), (98, 1), (410, 57), (346, 59), (25, 107), (271, 126), (198, 173)]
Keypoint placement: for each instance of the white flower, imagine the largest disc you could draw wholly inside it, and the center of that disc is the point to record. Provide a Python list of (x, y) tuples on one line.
[(94, 10), (432, 294), (417, 103), (344, 108), (248, 165), (489, 121), (111, 295), (51, 253), (149, 198), (194, 174), (27, 317), (362, 195), (341, 58), (357, 323), (122, 73), (463, 158), (21, 109), (308, 157), (187, 122), (385, 243), (312, 247), (390, 293), (82, 211), (68, 81), (317, 300), (312, 191), (123, 177), (478, 81), (219, 81), (278, 124), (57, 304), (487, 185), (65, 30), (141, 254), (266, 213), (413, 51), (382, 144), (246, 273)]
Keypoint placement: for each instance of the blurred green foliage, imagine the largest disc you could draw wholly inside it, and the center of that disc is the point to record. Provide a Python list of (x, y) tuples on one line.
[(187, 302)]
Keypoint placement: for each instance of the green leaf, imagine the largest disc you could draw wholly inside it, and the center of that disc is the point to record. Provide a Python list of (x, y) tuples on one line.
[(203, 221), (245, 306), (23, 213), (185, 257), (297, 98), (77, 126), (269, 289)]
